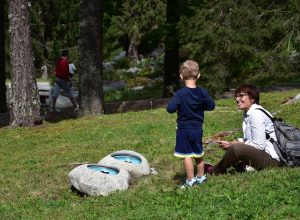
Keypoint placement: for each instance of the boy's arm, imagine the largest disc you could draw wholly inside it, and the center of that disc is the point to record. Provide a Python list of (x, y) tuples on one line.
[(173, 105), (209, 102)]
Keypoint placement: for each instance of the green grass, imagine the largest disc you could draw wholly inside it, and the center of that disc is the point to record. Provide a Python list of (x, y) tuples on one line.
[(149, 92), (35, 162)]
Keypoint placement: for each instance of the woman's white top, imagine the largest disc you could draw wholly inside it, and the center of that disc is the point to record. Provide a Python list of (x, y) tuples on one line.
[(255, 126)]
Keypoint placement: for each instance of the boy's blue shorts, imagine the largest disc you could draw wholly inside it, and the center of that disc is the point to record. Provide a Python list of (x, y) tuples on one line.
[(189, 142)]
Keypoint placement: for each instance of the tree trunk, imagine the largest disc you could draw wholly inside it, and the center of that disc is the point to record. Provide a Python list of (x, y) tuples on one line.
[(25, 103), (171, 60), (90, 66), (133, 50), (3, 104), (135, 38)]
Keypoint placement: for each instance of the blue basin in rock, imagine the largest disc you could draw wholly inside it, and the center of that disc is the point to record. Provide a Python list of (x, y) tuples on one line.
[(133, 162), (102, 169), (128, 159)]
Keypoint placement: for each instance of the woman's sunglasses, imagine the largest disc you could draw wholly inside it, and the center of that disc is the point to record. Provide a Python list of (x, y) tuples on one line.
[(240, 95)]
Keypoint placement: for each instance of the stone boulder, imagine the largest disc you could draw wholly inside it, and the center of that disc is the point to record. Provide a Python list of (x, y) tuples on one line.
[(136, 169), (296, 99), (88, 180)]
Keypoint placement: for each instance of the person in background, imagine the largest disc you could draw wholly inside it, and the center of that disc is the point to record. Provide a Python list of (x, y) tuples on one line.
[(190, 102), (62, 82), (254, 150), (72, 69)]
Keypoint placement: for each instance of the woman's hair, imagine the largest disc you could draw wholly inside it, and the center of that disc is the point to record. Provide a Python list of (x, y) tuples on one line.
[(251, 90), (189, 70)]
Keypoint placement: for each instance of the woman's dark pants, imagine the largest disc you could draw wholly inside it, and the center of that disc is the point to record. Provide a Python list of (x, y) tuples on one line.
[(240, 152)]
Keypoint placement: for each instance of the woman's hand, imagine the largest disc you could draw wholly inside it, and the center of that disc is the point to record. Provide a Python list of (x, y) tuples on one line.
[(224, 144)]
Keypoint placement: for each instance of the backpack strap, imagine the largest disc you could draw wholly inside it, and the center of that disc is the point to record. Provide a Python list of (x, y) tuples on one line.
[(267, 114), (278, 149), (272, 119)]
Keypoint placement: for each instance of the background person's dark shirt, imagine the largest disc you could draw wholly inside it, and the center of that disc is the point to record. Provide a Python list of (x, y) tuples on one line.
[(62, 68)]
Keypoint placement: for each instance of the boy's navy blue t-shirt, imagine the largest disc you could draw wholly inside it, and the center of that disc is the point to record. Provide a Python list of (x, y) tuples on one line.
[(190, 104)]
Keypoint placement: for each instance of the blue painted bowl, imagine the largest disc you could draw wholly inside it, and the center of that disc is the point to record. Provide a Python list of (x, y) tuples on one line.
[(128, 159), (102, 169)]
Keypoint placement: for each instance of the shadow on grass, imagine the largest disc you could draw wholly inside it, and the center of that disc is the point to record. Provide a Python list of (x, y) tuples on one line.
[(50, 117), (64, 114), (80, 194), (4, 119), (179, 178)]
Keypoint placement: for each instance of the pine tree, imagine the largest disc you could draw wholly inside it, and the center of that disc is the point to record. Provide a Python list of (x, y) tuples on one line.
[(171, 60), (90, 65), (138, 19), (3, 104), (25, 107)]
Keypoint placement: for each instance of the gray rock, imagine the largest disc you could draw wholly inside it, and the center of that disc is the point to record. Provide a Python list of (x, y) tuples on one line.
[(135, 170), (137, 88), (120, 56), (294, 100), (133, 71), (116, 85), (95, 183), (108, 65), (153, 171)]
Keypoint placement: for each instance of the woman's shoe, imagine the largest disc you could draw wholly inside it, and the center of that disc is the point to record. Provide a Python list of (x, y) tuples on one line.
[(208, 168)]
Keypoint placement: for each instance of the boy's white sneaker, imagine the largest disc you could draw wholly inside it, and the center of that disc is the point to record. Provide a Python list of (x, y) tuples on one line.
[(189, 183), (201, 180), (249, 168)]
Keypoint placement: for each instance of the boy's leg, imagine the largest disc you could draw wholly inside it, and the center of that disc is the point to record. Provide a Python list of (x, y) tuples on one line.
[(200, 177), (189, 167), (200, 166)]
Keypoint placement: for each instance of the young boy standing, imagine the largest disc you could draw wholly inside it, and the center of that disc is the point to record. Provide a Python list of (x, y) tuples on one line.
[(190, 102)]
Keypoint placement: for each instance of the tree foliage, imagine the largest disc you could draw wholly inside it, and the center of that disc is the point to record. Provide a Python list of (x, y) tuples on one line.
[(243, 41), (55, 26), (138, 26), (235, 41)]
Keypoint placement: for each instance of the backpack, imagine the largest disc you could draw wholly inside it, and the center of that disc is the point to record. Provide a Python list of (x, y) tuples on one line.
[(287, 145)]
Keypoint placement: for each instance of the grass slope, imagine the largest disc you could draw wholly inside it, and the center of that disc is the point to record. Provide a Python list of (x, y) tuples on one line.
[(35, 162)]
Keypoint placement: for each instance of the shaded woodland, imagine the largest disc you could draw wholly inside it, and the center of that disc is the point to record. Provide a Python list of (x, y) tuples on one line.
[(234, 41)]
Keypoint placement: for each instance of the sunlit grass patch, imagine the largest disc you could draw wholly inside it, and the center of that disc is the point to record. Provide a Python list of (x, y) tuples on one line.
[(35, 162)]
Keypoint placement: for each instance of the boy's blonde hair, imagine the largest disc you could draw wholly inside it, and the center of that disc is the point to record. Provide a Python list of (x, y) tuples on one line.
[(189, 70)]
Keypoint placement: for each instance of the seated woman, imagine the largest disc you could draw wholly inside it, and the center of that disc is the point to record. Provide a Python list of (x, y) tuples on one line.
[(254, 149)]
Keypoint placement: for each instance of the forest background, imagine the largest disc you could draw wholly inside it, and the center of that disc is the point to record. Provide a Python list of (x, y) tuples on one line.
[(234, 41)]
